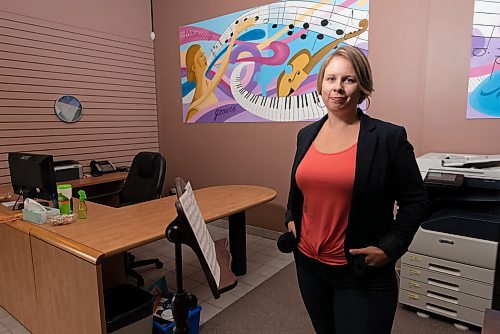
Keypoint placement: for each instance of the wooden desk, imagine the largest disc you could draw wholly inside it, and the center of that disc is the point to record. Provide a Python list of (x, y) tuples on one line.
[(97, 185), (62, 265), (95, 180), (93, 185)]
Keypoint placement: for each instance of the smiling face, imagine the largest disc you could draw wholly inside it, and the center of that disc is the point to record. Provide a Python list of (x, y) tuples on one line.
[(340, 90)]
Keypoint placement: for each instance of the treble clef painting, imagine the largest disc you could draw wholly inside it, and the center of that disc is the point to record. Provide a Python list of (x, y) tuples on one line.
[(261, 64)]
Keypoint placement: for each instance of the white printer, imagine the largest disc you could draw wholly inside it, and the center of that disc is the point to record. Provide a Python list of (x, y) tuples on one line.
[(452, 266)]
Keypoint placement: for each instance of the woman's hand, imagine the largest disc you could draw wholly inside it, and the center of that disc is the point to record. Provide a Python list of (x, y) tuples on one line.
[(374, 256), (291, 228)]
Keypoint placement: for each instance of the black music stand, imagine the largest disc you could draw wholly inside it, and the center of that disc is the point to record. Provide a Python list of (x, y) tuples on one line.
[(180, 232)]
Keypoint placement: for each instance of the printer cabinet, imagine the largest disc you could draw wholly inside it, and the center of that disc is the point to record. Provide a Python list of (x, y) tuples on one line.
[(452, 267), (452, 289)]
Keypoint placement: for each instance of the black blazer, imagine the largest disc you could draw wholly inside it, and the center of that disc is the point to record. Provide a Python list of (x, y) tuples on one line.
[(386, 171)]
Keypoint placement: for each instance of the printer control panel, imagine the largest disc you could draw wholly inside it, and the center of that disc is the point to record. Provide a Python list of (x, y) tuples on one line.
[(445, 179)]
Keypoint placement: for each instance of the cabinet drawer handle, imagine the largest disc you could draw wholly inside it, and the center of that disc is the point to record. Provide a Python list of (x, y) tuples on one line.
[(440, 309), (446, 241), (443, 269), (443, 284), (415, 258), (443, 297)]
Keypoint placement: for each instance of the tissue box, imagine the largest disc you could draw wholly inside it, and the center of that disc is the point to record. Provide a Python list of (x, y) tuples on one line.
[(39, 216)]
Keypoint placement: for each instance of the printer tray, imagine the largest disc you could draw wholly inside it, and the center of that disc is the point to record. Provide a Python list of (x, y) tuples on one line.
[(466, 238), (473, 226)]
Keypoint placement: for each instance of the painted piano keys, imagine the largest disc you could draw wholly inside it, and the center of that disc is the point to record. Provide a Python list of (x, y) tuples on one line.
[(281, 109)]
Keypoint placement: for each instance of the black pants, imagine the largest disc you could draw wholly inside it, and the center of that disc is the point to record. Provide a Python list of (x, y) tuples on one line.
[(340, 303)]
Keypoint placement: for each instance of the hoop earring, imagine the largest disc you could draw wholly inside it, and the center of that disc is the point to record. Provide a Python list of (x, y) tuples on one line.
[(367, 99)]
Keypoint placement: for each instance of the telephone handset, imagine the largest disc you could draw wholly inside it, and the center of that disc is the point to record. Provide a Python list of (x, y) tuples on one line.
[(98, 168)]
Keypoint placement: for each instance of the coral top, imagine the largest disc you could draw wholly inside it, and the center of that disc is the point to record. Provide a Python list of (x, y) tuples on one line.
[(326, 181)]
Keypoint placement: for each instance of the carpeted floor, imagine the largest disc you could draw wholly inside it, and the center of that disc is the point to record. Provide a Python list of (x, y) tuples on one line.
[(276, 307)]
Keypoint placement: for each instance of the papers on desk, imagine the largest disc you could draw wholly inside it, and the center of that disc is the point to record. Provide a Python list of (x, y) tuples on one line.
[(195, 219), (9, 204)]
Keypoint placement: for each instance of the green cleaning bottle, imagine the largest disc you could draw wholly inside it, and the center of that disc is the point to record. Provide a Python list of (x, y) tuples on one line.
[(82, 206)]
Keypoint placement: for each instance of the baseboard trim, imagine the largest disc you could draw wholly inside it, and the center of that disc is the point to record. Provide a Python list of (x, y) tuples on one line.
[(253, 230)]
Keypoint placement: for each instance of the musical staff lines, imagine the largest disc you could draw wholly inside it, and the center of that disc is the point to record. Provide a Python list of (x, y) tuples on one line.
[(487, 19), (486, 31), (291, 14)]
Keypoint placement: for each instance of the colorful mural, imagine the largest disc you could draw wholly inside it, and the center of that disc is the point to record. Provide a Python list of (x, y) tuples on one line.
[(484, 74), (260, 65)]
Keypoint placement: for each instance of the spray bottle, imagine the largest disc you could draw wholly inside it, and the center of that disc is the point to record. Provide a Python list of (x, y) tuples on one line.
[(82, 206)]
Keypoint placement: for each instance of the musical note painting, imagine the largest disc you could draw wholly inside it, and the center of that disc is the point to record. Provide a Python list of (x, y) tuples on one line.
[(261, 64), (484, 73)]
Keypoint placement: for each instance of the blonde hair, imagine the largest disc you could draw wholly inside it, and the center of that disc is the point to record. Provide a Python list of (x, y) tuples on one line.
[(190, 55), (361, 67)]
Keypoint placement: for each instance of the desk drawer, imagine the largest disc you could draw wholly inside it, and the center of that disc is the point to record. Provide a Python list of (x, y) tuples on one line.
[(445, 294), (450, 268), (452, 283), (437, 306)]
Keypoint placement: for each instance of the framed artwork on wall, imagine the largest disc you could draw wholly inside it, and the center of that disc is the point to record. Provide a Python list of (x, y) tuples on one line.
[(484, 74), (261, 64)]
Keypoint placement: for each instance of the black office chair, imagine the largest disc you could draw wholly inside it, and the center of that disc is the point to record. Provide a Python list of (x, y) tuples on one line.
[(145, 179), (144, 183)]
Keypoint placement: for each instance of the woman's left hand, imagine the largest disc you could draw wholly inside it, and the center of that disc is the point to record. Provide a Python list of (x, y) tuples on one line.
[(374, 256)]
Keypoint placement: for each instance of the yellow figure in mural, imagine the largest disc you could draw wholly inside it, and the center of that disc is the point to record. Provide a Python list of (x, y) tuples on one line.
[(196, 65)]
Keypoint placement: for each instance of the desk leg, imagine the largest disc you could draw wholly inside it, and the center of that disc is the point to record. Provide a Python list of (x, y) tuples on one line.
[(238, 243)]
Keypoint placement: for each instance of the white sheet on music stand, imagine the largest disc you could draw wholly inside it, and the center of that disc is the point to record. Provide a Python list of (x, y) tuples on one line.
[(195, 219)]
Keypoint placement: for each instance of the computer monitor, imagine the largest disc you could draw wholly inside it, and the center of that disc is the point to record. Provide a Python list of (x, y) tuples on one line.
[(32, 176)]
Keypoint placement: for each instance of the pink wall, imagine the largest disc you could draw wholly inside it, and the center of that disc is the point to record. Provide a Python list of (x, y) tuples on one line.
[(445, 128), (98, 51), (126, 18), (419, 53), (397, 46)]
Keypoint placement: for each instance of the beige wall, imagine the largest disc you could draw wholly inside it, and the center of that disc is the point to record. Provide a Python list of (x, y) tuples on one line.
[(419, 50), (444, 125), (124, 18), (98, 51)]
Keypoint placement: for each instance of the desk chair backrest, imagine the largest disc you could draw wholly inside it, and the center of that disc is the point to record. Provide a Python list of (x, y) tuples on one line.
[(145, 178)]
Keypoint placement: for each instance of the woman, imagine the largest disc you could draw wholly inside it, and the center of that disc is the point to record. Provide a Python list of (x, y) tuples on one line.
[(196, 65), (348, 171)]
